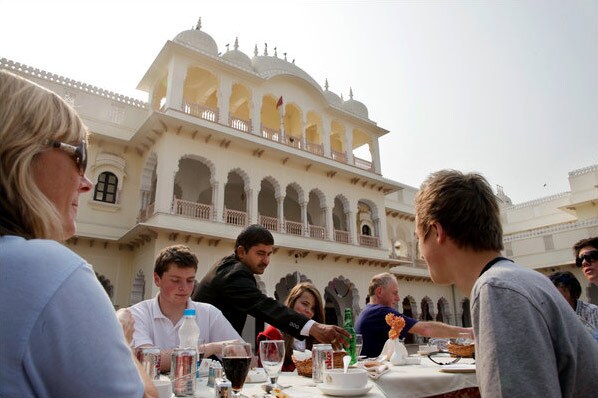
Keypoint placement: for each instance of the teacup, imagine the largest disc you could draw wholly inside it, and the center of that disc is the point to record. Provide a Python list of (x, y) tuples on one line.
[(354, 378), (164, 387)]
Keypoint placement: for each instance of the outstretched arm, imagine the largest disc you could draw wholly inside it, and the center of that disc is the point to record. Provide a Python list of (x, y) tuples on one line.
[(439, 329)]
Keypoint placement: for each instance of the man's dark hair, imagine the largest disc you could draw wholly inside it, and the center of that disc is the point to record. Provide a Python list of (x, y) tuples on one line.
[(592, 242), (253, 235), (567, 281), (179, 254)]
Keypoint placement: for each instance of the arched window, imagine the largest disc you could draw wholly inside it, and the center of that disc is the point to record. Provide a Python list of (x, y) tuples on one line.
[(105, 189), (366, 230)]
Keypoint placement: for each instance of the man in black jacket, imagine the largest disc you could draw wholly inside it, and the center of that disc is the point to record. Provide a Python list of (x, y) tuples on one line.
[(231, 287)]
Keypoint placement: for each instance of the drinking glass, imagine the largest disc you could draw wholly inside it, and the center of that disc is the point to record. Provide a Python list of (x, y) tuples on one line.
[(236, 358), (358, 344), (272, 357)]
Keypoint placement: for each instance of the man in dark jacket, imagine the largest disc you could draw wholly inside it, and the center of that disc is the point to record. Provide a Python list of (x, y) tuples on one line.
[(231, 287)]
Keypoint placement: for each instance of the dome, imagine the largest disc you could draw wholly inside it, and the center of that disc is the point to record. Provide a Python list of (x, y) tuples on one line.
[(198, 40), (331, 97), (355, 107), (238, 57), (268, 67)]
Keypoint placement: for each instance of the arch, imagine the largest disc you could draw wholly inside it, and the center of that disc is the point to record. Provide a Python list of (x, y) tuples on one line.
[(427, 307), (293, 124), (444, 312), (137, 288), (315, 207), (292, 209), (269, 115), (286, 283), (337, 140), (410, 310), (362, 148), (235, 197), (239, 102), (194, 178), (148, 181), (313, 128), (201, 87), (267, 198), (339, 213), (340, 293), (106, 284)]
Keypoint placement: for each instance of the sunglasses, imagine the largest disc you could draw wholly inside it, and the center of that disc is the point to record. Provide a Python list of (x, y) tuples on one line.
[(437, 359), (79, 153), (589, 257)]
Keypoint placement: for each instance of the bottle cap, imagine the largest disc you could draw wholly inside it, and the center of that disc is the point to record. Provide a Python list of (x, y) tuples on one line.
[(189, 312)]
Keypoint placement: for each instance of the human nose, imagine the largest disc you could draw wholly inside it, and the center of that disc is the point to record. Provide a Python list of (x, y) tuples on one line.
[(85, 184)]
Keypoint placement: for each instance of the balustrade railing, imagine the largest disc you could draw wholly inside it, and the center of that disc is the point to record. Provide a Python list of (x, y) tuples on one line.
[(240, 124), (362, 163), (341, 236), (270, 223), (317, 232), (314, 148), (146, 212), (191, 209), (369, 241), (271, 134), (339, 156), (293, 228), (295, 142), (235, 217), (201, 111)]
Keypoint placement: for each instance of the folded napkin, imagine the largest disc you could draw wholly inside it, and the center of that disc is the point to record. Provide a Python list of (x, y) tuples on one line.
[(375, 369), (301, 355)]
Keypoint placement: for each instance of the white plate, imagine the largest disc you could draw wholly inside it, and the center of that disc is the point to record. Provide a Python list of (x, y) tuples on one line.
[(344, 392), (458, 368)]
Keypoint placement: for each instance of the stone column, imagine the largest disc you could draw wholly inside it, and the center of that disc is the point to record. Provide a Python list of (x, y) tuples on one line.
[(177, 72), (256, 112), (329, 223), (304, 219), (165, 171), (251, 206), (217, 200), (326, 128), (349, 145), (280, 201), (375, 154), (224, 92), (351, 226)]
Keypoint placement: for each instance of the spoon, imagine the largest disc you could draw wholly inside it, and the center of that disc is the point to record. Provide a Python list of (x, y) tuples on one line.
[(346, 360)]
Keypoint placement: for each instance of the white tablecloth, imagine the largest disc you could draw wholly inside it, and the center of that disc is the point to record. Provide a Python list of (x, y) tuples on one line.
[(410, 381), (415, 381)]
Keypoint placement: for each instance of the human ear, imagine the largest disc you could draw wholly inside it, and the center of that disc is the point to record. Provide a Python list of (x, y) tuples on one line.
[(439, 231)]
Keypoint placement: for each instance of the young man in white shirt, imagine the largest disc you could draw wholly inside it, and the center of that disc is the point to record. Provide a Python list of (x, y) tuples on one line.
[(158, 320)]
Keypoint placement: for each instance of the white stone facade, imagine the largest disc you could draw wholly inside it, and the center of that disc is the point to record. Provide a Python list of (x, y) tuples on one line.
[(227, 140)]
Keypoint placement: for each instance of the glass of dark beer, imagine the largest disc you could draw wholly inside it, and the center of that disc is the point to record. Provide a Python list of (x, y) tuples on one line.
[(236, 358)]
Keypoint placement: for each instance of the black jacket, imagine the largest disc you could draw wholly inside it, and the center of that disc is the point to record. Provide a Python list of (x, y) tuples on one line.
[(231, 287)]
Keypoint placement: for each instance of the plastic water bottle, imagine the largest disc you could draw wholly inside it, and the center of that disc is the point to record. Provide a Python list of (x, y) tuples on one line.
[(189, 335), (348, 326)]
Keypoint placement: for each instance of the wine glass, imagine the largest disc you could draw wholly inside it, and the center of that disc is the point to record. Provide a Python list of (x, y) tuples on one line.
[(236, 358), (272, 357), (358, 345)]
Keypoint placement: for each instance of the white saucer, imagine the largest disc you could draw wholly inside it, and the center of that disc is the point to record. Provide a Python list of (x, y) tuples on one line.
[(344, 392), (257, 375), (458, 368)]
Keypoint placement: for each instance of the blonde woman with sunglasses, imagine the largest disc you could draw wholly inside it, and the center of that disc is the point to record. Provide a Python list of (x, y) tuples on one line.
[(59, 336)]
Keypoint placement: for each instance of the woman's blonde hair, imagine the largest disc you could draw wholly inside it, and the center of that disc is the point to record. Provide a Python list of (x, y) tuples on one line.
[(30, 115)]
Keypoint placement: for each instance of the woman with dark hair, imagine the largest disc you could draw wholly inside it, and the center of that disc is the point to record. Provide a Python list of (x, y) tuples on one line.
[(305, 299), (569, 286)]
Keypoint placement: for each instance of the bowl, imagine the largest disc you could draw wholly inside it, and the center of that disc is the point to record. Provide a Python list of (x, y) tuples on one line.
[(354, 378)]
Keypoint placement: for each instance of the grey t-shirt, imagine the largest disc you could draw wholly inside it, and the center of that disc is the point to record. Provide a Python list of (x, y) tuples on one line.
[(529, 342)]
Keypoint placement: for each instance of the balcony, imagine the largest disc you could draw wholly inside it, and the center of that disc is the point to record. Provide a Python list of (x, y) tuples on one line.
[(235, 217), (240, 124), (201, 111), (369, 241), (186, 208)]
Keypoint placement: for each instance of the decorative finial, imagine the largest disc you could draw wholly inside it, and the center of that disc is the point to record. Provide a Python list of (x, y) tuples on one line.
[(350, 93), (326, 84), (275, 52), (198, 26), (265, 48), (236, 43), (226, 45), (255, 51), (285, 56), (342, 99), (293, 60)]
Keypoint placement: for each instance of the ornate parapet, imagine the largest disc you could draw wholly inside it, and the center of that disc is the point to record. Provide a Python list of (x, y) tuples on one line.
[(25, 70)]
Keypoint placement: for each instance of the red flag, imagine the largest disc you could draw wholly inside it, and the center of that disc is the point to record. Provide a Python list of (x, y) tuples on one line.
[(279, 103)]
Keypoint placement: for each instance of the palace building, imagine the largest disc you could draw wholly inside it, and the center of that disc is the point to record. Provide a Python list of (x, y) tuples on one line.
[(226, 140)]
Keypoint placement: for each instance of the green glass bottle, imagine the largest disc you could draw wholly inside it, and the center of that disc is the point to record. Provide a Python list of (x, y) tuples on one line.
[(348, 326)]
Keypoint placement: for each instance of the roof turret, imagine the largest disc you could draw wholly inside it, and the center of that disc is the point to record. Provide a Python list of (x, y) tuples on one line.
[(198, 40)]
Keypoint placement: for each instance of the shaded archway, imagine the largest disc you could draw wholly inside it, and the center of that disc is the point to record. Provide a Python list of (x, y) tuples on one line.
[(340, 293), (410, 310), (284, 286)]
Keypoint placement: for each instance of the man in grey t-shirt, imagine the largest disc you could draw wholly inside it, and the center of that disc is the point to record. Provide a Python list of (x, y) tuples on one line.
[(529, 343)]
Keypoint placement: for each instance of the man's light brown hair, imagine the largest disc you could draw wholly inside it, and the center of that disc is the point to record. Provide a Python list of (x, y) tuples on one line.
[(464, 205), (180, 255)]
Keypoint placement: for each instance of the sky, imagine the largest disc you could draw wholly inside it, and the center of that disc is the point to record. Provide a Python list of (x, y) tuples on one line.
[(506, 88)]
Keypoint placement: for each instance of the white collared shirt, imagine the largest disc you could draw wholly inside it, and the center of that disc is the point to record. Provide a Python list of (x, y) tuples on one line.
[(153, 327)]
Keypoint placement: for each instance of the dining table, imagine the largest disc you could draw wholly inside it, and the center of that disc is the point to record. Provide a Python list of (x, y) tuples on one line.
[(416, 380)]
